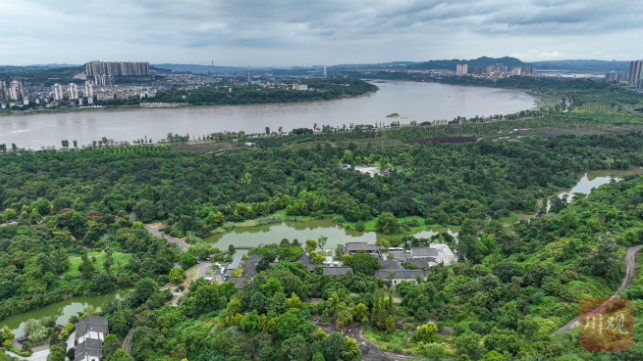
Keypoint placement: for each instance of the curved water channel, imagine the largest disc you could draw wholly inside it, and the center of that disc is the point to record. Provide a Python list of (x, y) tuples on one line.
[(61, 311), (253, 236), (413, 101)]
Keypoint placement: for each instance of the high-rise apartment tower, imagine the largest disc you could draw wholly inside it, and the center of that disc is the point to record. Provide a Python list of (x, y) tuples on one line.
[(118, 69)]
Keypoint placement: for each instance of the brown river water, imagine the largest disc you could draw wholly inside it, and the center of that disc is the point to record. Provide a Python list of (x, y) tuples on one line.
[(413, 101)]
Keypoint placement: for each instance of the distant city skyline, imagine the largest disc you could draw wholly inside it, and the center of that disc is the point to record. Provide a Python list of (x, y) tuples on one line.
[(285, 32)]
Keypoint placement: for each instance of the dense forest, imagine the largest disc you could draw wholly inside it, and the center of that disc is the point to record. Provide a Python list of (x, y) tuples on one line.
[(318, 89), (506, 298), (442, 184)]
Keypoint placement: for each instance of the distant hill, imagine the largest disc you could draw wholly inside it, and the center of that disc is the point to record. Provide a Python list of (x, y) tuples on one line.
[(584, 65), (21, 68), (482, 61)]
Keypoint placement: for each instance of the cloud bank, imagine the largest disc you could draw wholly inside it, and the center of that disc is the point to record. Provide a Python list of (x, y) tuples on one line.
[(290, 32)]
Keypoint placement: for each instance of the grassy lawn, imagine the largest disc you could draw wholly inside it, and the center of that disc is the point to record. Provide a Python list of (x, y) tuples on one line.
[(191, 272), (73, 271)]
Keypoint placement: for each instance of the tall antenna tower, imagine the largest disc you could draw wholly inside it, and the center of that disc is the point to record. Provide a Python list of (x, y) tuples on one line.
[(248, 74), (325, 75), (212, 67)]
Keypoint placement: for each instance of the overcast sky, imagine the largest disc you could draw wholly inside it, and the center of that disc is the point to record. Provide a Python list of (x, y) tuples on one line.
[(301, 32)]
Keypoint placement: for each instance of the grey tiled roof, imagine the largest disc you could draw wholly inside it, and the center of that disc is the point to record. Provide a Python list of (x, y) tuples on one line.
[(92, 323), (402, 274), (423, 262), (250, 270), (255, 258), (304, 258), (238, 281), (391, 264), (337, 271), (359, 246), (235, 263), (424, 252), (90, 347), (401, 256)]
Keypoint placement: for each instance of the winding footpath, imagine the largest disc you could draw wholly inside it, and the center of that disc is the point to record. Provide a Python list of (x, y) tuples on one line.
[(629, 262), (184, 246)]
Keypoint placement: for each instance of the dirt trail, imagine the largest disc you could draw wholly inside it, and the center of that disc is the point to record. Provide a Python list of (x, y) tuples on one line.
[(629, 262)]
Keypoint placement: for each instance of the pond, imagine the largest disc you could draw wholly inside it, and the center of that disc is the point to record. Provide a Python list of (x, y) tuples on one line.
[(596, 178), (589, 180), (61, 311), (274, 233)]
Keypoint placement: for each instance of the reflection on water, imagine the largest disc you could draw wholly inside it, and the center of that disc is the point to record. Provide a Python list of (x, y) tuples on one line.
[(274, 233), (596, 178), (253, 236), (589, 180), (435, 230), (414, 101), (61, 311)]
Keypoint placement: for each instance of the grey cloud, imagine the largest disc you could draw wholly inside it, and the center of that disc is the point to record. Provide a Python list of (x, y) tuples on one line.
[(295, 24)]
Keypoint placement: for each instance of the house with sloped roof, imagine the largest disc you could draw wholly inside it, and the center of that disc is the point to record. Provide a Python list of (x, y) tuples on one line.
[(336, 270), (401, 256), (397, 276), (423, 262), (90, 334), (354, 247), (391, 264), (424, 252)]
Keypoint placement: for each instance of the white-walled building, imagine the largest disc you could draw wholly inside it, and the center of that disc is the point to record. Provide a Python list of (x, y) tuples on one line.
[(90, 334), (57, 89), (73, 91)]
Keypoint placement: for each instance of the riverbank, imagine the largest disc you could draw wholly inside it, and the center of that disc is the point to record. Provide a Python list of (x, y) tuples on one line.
[(274, 96), (410, 100)]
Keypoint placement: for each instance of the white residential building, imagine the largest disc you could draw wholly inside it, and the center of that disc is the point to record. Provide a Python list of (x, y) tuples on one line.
[(462, 69), (73, 91), (15, 90), (58, 92), (88, 90)]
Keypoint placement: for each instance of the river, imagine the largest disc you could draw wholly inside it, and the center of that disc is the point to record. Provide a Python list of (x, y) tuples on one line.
[(61, 311), (413, 101)]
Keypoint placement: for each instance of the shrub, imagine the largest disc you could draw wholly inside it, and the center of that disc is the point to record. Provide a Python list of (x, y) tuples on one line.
[(359, 226), (228, 226), (275, 218)]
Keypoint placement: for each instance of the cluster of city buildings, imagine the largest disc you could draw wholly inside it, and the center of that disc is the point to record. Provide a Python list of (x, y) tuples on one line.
[(494, 71), (12, 93), (117, 69), (635, 75)]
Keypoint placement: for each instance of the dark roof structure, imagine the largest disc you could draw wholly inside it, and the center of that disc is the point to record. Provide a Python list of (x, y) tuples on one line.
[(423, 262), (238, 281), (424, 252), (304, 258), (255, 258), (359, 246), (336, 271), (90, 347), (250, 266), (92, 323), (401, 256), (407, 274), (391, 264), (235, 263)]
